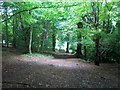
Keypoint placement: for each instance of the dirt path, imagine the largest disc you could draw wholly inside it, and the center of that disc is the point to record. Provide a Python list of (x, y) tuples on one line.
[(35, 72)]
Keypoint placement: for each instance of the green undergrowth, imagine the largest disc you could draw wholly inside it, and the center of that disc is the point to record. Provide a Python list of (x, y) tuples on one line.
[(38, 55), (90, 62)]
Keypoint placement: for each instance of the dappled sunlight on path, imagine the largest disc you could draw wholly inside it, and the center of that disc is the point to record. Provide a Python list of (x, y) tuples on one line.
[(66, 63), (42, 72)]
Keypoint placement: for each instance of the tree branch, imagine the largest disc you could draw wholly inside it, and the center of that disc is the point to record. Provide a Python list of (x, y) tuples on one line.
[(109, 9), (36, 8)]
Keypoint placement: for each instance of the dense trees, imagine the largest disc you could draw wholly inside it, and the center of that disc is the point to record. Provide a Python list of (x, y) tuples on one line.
[(90, 30)]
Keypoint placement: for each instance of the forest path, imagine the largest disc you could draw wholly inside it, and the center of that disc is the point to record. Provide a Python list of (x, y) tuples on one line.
[(42, 72)]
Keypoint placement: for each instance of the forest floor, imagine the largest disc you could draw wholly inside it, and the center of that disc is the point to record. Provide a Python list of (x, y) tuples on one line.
[(20, 71)]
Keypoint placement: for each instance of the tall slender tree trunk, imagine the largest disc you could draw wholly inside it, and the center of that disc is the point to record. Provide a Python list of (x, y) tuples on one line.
[(39, 43), (67, 49), (97, 55), (79, 53), (3, 40), (6, 23), (85, 53), (108, 24), (42, 41), (97, 51), (68, 40), (79, 46), (2, 43), (97, 40), (14, 34), (53, 41), (24, 30), (30, 42)]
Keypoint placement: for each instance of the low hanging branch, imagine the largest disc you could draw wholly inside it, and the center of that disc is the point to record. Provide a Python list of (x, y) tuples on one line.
[(36, 8)]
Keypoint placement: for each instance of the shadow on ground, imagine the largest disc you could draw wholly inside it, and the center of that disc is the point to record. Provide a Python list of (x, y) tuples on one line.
[(35, 72)]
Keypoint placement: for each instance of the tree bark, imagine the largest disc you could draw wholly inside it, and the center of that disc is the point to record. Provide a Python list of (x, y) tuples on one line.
[(108, 24), (79, 53), (6, 23), (3, 40), (53, 41), (79, 46), (97, 51), (39, 42), (67, 49), (85, 53), (2, 43), (14, 34), (68, 40), (97, 40), (42, 41), (30, 42)]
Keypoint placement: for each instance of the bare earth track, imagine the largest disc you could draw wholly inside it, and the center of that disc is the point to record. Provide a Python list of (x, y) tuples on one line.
[(42, 72)]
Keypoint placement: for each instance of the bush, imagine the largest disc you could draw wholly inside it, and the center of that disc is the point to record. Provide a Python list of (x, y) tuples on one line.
[(110, 48)]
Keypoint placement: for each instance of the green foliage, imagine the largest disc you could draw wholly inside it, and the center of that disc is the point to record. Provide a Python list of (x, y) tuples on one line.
[(110, 46), (88, 61), (59, 19), (38, 55)]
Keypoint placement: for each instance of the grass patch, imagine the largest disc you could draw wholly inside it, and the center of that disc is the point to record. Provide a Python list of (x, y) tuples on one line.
[(90, 62), (37, 55)]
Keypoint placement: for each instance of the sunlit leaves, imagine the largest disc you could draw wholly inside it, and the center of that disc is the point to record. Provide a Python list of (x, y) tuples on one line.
[(28, 18), (61, 18)]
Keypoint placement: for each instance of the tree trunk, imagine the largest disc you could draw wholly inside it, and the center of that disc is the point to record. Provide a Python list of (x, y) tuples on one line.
[(42, 41), (68, 40), (39, 43), (108, 24), (14, 34), (96, 20), (6, 23), (2, 43), (97, 52), (79, 53), (25, 31), (53, 41), (67, 49), (30, 42), (85, 52), (79, 46), (3, 40)]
